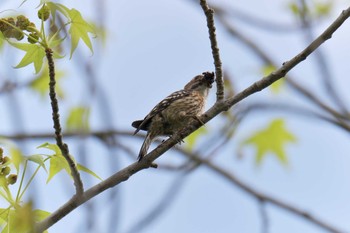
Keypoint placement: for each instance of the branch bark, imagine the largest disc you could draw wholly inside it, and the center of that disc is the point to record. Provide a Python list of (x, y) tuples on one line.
[(209, 13), (57, 126)]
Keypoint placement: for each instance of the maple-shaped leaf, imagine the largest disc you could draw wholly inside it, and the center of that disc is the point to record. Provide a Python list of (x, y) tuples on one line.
[(271, 140), (78, 119), (79, 29), (59, 163), (35, 54)]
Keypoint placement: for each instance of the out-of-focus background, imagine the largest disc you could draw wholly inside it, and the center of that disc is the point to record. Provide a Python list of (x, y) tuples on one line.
[(143, 51)]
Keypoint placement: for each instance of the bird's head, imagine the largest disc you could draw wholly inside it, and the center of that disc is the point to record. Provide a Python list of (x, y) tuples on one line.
[(201, 82)]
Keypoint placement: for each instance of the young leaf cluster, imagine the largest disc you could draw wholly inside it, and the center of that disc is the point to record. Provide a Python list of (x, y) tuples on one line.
[(49, 35)]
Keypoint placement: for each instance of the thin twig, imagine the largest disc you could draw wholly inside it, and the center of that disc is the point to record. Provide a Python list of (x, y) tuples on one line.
[(57, 126), (287, 66), (323, 67), (209, 14), (265, 223), (290, 81)]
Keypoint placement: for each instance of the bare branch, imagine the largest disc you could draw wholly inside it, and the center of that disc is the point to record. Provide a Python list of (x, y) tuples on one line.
[(57, 126), (290, 81), (209, 14)]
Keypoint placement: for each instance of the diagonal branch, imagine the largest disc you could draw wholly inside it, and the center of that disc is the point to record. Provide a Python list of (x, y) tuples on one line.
[(209, 14), (296, 86), (57, 126), (219, 107)]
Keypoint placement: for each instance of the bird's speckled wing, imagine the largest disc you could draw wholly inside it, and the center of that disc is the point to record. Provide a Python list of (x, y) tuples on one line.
[(143, 125)]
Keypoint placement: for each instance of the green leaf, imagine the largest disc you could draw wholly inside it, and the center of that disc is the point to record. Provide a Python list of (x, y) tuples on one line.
[(323, 8), (85, 169), (56, 7), (21, 219), (57, 161), (294, 8), (271, 140), (276, 86), (34, 54), (57, 164), (79, 29), (2, 40), (52, 147), (40, 214), (38, 159), (78, 119), (16, 156), (14, 152), (41, 83), (192, 139)]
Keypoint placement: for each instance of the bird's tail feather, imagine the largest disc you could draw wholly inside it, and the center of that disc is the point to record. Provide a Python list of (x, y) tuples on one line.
[(145, 146)]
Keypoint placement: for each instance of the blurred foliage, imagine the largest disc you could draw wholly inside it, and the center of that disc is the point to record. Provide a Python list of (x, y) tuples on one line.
[(58, 162), (277, 86), (21, 219), (192, 139), (315, 9), (40, 83), (40, 39), (78, 119), (270, 140)]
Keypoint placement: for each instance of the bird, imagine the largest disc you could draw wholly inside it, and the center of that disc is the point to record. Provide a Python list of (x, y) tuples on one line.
[(173, 112)]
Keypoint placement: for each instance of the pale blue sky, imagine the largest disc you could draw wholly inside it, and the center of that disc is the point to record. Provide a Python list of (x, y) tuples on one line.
[(152, 49)]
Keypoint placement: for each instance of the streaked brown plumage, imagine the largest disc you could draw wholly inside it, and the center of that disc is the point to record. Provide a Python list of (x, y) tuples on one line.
[(174, 112)]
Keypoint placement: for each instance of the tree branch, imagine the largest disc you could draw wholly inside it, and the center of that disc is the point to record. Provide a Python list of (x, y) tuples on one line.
[(219, 107), (290, 81), (209, 14), (57, 126)]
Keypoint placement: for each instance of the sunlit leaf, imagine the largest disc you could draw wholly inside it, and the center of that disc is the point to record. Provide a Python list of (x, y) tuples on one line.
[(22, 219), (271, 140), (193, 138), (78, 118), (79, 30), (56, 7), (34, 54), (14, 152), (52, 147), (40, 215), (38, 159), (294, 8), (16, 156), (85, 169), (57, 164), (323, 8), (6, 216)]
